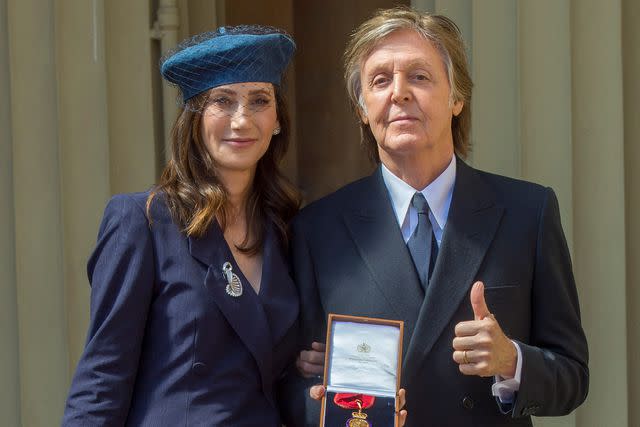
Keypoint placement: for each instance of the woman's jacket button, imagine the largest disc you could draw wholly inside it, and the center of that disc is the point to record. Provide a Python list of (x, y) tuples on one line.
[(199, 368)]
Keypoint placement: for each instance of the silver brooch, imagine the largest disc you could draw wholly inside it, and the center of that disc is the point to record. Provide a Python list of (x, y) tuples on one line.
[(234, 285)]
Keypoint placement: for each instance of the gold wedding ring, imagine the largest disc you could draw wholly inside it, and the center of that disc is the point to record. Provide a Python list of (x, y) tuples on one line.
[(464, 358)]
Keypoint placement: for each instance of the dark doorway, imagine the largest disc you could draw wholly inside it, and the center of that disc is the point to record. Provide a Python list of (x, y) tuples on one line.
[(329, 152)]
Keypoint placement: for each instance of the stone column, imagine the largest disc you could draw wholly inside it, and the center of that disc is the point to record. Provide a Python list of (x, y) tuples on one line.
[(84, 151), (461, 13), (37, 209), (134, 155), (631, 71), (9, 366), (495, 128), (599, 204), (544, 39)]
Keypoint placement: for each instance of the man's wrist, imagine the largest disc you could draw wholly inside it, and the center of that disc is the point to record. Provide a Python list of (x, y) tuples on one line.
[(512, 364)]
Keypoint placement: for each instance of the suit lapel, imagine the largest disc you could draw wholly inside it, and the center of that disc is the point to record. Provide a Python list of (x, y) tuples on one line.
[(245, 314), (377, 236), (277, 291), (473, 220)]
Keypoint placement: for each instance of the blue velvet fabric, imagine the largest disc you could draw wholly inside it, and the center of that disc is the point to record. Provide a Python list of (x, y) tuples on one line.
[(229, 58)]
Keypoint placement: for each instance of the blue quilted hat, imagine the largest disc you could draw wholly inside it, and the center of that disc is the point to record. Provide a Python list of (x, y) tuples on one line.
[(247, 53)]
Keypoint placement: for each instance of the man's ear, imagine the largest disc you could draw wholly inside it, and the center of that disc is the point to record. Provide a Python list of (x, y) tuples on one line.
[(363, 116)]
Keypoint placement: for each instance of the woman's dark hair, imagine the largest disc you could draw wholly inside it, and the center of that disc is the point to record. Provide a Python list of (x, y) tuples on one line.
[(195, 196)]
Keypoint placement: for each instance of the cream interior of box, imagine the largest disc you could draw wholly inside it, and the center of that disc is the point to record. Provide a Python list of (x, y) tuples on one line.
[(363, 357)]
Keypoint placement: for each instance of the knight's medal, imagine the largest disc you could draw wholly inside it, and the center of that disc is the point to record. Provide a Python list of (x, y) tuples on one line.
[(234, 285), (359, 418), (351, 401)]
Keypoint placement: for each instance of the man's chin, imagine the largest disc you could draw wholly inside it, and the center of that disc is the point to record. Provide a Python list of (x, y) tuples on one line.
[(405, 145)]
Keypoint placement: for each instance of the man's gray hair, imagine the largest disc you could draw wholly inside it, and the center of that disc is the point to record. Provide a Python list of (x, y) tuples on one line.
[(447, 39)]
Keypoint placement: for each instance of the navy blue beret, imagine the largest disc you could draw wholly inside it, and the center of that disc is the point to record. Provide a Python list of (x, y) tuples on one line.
[(230, 55)]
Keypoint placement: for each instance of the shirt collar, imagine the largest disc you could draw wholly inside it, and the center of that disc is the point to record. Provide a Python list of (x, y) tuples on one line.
[(438, 193)]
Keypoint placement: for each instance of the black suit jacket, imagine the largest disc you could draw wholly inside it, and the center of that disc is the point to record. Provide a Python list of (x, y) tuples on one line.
[(349, 257)]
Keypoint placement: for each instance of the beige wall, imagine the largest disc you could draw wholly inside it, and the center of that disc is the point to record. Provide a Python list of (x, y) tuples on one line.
[(556, 102)]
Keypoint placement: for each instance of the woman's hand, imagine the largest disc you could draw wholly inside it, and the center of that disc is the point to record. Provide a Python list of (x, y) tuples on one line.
[(317, 392), (310, 363)]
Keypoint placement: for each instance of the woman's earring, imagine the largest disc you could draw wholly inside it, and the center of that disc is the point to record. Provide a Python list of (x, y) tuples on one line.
[(276, 131)]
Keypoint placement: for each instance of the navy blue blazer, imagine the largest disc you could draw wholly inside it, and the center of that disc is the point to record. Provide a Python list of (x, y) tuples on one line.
[(349, 257), (167, 346)]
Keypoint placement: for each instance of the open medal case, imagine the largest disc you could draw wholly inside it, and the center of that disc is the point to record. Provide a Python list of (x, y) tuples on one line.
[(361, 372)]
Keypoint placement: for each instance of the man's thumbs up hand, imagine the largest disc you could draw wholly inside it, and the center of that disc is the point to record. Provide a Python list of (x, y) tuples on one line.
[(479, 305), (480, 347)]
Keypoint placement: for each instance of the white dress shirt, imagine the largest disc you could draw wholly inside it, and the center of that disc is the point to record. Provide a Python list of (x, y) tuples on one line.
[(438, 194)]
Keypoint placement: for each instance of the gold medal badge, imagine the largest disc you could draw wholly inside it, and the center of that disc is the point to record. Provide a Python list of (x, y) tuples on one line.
[(353, 401)]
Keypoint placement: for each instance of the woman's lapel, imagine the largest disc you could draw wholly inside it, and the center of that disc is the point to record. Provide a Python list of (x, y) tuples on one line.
[(244, 313), (277, 291)]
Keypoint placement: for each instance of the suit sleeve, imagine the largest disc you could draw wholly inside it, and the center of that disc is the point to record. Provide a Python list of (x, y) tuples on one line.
[(298, 409), (121, 273), (555, 374)]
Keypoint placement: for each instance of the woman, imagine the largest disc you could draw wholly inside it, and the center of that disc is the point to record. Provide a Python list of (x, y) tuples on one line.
[(192, 307)]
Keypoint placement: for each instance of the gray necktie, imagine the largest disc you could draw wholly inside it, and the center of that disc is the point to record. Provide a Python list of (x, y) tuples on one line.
[(422, 244)]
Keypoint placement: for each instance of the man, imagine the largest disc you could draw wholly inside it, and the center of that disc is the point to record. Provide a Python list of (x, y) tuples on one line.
[(475, 264)]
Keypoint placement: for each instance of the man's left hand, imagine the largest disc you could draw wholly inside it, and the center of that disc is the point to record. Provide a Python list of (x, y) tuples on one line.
[(480, 346), (310, 363)]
